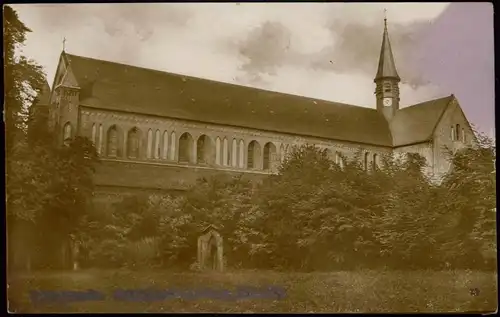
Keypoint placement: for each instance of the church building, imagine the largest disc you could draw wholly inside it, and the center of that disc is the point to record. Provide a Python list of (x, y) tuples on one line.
[(156, 130)]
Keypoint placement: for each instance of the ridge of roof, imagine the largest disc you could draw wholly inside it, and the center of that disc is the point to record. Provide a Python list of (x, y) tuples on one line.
[(121, 87), (426, 102), (181, 76)]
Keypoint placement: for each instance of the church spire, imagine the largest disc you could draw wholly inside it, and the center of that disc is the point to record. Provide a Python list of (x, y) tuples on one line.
[(387, 79), (386, 65)]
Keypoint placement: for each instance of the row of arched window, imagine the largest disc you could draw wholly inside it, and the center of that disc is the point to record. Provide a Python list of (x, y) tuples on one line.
[(204, 151), (457, 133), (162, 145)]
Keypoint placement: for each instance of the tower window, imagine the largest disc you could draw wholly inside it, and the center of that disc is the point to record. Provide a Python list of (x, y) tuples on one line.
[(387, 87)]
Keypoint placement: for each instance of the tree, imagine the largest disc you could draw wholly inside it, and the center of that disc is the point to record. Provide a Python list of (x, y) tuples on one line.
[(469, 203), (23, 79), (225, 202), (404, 222), (312, 213)]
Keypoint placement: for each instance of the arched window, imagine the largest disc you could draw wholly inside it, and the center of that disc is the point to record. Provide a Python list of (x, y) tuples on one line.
[(365, 163), (99, 146), (242, 154), (112, 142), (217, 151), (133, 143), (457, 132), (269, 155), (225, 153), (67, 132), (253, 155), (94, 134), (375, 162), (165, 145), (186, 148), (157, 144), (204, 150), (452, 133), (234, 153), (149, 150), (173, 142), (463, 135), (387, 87)]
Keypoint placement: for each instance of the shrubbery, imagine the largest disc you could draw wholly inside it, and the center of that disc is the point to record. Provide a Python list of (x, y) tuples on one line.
[(313, 215)]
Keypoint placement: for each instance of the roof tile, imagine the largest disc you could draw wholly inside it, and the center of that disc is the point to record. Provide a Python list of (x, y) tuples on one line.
[(120, 87)]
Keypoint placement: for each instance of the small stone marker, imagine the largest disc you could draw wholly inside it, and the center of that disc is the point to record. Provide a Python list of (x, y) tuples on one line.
[(210, 250)]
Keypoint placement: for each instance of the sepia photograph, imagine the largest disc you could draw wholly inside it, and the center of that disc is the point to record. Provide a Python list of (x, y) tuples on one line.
[(320, 157)]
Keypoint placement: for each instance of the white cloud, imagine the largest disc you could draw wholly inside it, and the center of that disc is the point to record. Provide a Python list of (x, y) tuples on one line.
[(204, 39)]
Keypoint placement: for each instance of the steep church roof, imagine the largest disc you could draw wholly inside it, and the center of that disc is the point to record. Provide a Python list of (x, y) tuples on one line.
[(119, 87), (417, 123), (386, 66)]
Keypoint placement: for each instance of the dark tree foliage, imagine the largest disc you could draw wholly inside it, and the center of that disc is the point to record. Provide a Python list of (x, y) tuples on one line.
[(48, 186), (23, 79), (314, 215)]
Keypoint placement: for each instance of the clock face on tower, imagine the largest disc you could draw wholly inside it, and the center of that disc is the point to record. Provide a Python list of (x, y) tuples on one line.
[(387, 102)]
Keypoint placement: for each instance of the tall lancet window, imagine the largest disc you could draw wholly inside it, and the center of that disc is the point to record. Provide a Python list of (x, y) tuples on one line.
[(94, 134), (452, 133), (133, 143), (234, 153), (157, 144), (225, 153), (375, 162), (173, 143), (165, 145), (217, 151), (365, 162), (99, 145), (242, 154), (112, 144), (150, 144), (463, 135), (457, 132)]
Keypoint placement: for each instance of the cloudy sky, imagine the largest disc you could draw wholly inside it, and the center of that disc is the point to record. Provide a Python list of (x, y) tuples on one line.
[(321, 50)]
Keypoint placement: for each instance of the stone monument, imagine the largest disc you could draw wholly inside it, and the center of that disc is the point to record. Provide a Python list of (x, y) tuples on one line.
[(210, 251)]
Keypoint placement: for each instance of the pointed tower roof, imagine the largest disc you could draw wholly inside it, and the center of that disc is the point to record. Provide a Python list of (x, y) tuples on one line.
[(386, 65)]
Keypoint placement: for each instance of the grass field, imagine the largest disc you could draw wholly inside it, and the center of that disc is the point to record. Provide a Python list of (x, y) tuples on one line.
[(359, 291)]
